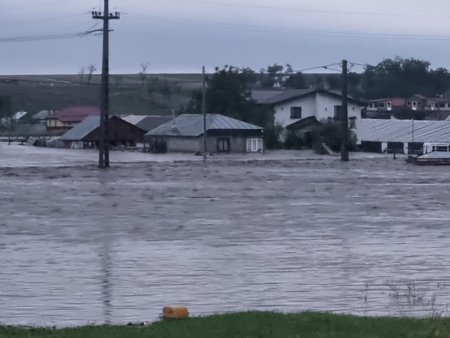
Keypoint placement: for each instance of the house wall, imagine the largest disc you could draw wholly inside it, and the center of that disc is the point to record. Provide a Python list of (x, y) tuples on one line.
[(325, 107), (183, 144), (238, 143), (282, 112), (319, 105)]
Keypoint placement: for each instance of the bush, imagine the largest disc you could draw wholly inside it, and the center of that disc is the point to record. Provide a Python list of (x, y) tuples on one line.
[(272, 137), (330, 133), (293, 141)]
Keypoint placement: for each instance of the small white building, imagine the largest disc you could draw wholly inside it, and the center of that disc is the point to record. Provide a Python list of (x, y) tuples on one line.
[(291, 107)]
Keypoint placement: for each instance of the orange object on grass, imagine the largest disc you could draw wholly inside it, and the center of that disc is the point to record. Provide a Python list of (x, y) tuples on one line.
[(175, 312)]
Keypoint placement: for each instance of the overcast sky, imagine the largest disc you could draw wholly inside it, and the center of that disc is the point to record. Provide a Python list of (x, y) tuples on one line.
[(183, 35)]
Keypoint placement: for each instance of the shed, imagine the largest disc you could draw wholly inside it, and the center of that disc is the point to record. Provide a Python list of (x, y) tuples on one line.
[(405, 136), (87, 133), (224, 135)]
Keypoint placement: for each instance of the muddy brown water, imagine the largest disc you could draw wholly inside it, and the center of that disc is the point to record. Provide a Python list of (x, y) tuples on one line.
[(79, 245)]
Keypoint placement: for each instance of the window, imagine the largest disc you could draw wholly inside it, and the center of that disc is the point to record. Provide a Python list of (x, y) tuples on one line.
[(254, 145), (442, 105), (414, 105), (389, 105), (296, 112), (338, 113), (380, 105)]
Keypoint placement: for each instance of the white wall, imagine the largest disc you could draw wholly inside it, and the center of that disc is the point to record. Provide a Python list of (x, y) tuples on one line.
[(283, 111), (319, 105)]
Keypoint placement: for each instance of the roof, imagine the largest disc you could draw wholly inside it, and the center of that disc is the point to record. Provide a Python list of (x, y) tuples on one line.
[(76, 114), (42, 115), (19, 115), (191, 125), (83, 129), (263, 95), (293, 94), (151, 122), (376, 130), (133, 119)]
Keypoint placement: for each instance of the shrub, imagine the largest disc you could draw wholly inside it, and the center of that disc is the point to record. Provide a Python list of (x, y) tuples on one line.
[(330, 133)]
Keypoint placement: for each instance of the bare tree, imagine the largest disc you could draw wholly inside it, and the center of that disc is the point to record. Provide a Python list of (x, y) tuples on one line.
[(81, 74), (91, 68), (143, 72)]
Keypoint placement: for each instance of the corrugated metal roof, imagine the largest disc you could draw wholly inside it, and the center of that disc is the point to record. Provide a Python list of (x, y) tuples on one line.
[(82, 129), (191, 125), (376, 130)]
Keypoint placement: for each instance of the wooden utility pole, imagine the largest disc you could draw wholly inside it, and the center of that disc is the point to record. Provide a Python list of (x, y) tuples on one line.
[(103, 161), (344, 113), (205, 140)]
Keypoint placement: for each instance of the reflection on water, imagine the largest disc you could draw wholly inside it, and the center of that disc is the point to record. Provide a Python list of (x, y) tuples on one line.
[(106, 282), (79, 246)]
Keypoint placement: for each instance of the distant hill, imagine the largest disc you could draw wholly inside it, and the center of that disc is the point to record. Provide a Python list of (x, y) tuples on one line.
[(130, 94), (157, 94)]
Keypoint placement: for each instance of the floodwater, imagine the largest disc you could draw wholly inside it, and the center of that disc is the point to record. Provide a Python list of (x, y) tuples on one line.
[(281, 231)]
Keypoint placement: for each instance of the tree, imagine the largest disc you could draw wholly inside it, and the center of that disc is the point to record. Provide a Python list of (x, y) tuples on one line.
[(229, 93), (295, 81), (403, 78), (143, 72), (81, 74), (91, 69), (272, 76)]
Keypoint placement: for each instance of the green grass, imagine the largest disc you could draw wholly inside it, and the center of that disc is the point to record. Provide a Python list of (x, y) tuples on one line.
[(256, 325)]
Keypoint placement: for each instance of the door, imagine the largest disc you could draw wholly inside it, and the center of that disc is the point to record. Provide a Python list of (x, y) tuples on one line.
[(223, 145)]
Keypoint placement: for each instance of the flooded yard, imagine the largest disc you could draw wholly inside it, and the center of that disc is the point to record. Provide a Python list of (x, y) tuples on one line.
[(285, 232)]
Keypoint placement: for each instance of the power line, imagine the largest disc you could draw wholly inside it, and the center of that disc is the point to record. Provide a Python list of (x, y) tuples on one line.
[(50, 36), (43, 19), (318, 11), (342, 34), (326, 67)]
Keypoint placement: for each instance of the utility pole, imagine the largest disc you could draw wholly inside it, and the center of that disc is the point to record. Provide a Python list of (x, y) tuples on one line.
[(204, 113), (103, 161), (344, 113)]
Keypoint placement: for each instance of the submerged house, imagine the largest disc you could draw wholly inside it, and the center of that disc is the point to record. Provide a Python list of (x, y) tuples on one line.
[(87, 134), (300, 109), (223, 134)]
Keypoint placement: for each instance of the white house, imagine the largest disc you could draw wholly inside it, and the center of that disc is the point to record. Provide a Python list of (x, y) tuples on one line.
[(293, 109)]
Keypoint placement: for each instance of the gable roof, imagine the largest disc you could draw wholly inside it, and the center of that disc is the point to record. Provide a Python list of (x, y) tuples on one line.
[(293, 94), (191, 125), (76, 114), (82, 129)]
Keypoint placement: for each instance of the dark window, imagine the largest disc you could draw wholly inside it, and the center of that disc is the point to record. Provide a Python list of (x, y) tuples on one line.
[(223, 145), (442, 105), (380, 105), (296, 112)]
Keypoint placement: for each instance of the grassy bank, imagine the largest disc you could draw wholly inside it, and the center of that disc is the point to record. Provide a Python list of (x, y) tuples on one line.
[(256, 325)]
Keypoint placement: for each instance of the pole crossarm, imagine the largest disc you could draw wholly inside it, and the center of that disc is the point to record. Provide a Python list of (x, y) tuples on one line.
[(100, 16)]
